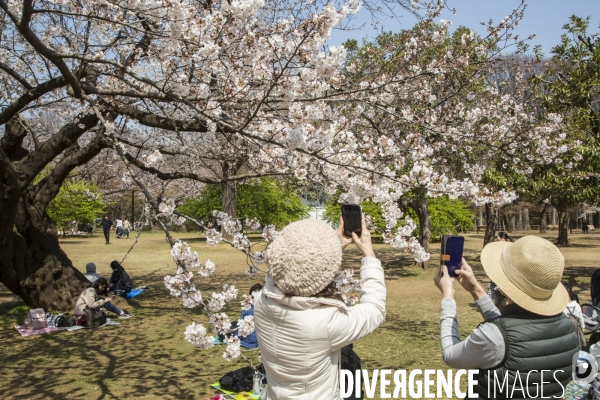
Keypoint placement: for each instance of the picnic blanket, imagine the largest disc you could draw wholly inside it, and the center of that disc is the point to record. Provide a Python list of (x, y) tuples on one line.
[(235, 396), (22, 329), (109, 322), (30, 332)]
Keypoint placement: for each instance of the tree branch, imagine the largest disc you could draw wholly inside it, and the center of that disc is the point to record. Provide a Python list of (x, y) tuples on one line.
[(15, 75), (32, 94), (189, 175), (48, 187), (35, 161), (23, 27)]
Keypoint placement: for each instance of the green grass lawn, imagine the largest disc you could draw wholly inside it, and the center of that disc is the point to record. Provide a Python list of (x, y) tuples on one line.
[(147, 356)]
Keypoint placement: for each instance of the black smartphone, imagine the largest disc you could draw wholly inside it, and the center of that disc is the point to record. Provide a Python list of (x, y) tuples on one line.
[(452, 252), (352, 216)]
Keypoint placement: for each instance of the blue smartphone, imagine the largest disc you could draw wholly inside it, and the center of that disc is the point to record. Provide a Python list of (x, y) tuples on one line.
[(452, 249)]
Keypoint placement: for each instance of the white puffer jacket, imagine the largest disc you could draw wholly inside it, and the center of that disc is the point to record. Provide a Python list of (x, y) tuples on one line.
[(300, 337)]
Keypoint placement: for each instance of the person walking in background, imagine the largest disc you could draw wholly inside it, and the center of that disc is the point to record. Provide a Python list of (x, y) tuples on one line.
[(119, 230), (532, 325), (126, 227), (301, 320), (585, 228), (106, 225)]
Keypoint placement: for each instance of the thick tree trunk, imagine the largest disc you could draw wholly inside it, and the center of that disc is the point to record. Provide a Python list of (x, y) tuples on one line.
[(563, 226), (526, 219), (543, 220), (32, 265), (420, 207), (228, 201), (491, 216)]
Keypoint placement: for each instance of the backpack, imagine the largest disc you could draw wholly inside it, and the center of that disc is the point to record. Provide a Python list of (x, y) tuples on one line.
[(350, 361), (37, 319), (64, 320), (240, 380), (93, 317)]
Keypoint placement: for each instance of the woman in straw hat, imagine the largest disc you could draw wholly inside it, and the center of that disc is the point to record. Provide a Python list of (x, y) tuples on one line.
[(301, 327), (530, 340)]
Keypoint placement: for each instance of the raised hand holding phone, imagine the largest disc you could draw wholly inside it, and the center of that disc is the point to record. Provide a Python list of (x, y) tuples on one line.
[(444, 282), (351, 214), (452, 251), (363, 242), (468, 281)]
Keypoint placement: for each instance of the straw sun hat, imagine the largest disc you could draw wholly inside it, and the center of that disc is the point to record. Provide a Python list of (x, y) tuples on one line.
[(529, 272)]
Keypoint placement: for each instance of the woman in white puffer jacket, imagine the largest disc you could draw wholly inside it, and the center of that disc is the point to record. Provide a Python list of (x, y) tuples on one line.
[(300, 332)]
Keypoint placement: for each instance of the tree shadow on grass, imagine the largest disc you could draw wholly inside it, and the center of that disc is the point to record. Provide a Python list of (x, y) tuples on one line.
[(115, 362)]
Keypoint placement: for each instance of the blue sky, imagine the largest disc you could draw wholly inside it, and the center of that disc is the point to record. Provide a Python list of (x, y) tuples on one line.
[(542, 17)]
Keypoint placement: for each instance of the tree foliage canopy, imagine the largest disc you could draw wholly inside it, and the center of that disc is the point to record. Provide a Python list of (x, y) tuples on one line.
[(271, 201), (76, 200), (447, 215)]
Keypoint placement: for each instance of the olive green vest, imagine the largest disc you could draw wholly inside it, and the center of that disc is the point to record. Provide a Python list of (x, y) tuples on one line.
[(532, 343)]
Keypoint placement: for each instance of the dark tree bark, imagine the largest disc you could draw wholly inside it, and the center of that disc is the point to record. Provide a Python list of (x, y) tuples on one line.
[(43, 275), (229, 189), (491, 216), (526, 219), (563, 224), (420, 207), (32, 264), (543, 219)]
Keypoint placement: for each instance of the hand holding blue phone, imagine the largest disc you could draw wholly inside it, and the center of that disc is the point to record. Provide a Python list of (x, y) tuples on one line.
[(452, 253)]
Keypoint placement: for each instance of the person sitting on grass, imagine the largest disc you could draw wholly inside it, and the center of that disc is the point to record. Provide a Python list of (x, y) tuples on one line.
[(93, 298), (250, 341), (530, 336), (120, 282), (90, 272)]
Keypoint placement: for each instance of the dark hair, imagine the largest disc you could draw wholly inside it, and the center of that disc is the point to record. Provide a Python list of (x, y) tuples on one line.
[(572, 295), (115, 264), (504, 235), (100, 282), (257, 287), (330, 292)]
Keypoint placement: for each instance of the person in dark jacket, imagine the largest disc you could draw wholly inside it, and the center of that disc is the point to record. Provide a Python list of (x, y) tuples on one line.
[(120, 282), (106, 225), (532, 325)]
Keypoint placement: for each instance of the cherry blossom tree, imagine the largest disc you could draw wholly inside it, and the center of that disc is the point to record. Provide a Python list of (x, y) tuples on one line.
[(219, 92)]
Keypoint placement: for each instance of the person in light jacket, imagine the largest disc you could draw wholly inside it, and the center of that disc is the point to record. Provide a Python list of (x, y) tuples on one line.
[(300, 330), (92, 298)]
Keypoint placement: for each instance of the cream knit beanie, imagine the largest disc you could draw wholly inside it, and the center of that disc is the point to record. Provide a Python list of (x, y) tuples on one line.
[(304, 257)]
